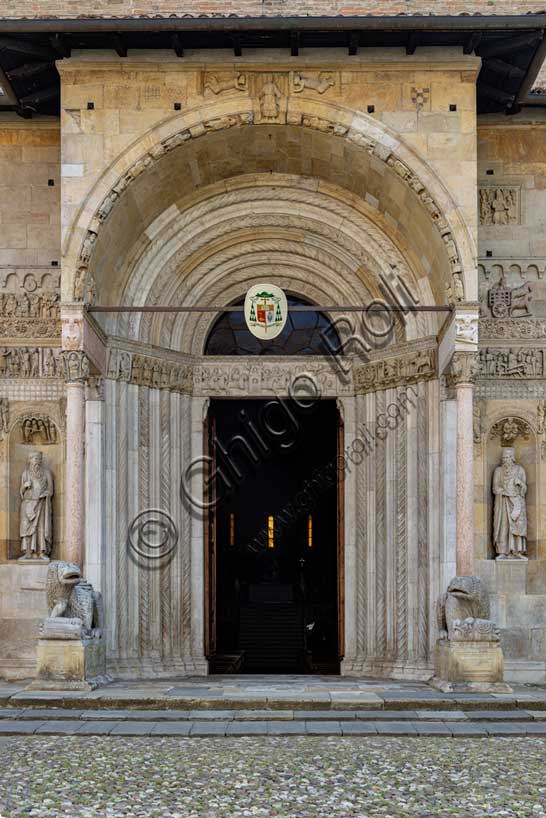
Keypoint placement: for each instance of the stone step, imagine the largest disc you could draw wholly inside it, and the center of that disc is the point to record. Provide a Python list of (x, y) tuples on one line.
[(331, 701), (130, 715), (295, 727)]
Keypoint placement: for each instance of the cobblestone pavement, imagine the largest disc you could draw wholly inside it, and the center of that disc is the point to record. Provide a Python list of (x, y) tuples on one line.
[(311, 777)]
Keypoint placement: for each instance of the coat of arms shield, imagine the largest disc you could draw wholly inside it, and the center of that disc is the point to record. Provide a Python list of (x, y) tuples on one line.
[(266, 311)]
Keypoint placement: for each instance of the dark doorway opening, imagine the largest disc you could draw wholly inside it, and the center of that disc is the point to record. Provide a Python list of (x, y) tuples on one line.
[(274, 550)]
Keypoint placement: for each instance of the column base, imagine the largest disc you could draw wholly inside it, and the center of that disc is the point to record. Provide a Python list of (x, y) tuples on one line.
[(70, 664), (469, 667)]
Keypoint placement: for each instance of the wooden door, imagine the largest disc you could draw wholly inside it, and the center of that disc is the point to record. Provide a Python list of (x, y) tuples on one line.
[(210, 494), (340, 539)]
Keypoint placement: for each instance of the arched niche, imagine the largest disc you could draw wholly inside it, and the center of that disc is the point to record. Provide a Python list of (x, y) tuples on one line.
[(35, 427), (515, 432)]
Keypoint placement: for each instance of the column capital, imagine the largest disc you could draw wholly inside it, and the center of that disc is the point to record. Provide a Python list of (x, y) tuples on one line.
[(76, 366), (463, 369)]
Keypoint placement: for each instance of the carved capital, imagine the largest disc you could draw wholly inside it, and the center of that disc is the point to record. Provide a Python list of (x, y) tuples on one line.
[(463, 369), (76, 366)]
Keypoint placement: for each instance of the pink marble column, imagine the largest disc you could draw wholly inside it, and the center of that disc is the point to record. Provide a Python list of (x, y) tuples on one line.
[(463, 372), (76, 371)]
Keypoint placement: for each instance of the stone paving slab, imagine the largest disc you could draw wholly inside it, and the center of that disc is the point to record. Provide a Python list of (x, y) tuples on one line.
[(135, 728), (394, 728), (58, 728), (97, 728)]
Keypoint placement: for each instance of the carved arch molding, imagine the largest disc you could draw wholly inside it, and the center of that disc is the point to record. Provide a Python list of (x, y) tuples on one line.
[(383, 150)]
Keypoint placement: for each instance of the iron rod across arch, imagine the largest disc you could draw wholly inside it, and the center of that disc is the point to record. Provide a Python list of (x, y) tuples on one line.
[(373, 307)]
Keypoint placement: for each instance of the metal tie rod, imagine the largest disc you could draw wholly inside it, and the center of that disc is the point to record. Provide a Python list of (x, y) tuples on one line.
[(299, 308)]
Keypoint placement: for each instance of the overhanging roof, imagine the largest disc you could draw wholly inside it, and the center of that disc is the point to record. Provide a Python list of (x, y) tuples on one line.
[(512, 48)]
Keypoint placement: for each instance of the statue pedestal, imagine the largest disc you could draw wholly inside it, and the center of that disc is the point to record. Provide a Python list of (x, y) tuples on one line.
[(70, 664), (469, 667)]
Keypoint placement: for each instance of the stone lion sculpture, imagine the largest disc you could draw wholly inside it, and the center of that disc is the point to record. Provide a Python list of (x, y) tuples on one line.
[(75, 609), (463, 612)]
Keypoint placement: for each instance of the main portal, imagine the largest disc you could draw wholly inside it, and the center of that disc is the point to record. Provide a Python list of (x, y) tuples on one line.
[(273, 545)]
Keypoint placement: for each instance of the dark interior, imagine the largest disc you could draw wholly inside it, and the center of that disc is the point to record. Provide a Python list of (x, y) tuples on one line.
[(276, 579)]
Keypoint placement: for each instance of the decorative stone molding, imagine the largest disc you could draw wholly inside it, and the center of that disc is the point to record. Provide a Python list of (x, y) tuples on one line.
[(392, 372), (464, 368), (526, 267), (511, 362), (273, 98), (30, 362), (512, 328), (510, 390), (76, 366), (510, 429)]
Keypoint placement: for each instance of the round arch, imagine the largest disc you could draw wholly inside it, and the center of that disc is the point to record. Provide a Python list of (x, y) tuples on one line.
[(362, 142)]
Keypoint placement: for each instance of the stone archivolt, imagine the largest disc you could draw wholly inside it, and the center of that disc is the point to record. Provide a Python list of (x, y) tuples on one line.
[(379, 150)]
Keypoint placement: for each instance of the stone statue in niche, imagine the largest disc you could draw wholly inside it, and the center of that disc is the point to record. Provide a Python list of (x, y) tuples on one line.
[(36, 523), (510, 512)]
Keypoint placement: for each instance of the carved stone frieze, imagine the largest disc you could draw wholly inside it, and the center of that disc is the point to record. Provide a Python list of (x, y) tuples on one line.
[(530, 267), (513, 328), (30, 362), (397, 371), (297, 379), (145, 370), (270, 92), (463, 368), (499, 205), (510, 429), (76, 366), (30, 328), (29, 304), (511, 362)]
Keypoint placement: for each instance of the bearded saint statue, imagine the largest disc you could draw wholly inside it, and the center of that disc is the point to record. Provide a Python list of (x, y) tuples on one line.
[(510, 513), (36, 527)]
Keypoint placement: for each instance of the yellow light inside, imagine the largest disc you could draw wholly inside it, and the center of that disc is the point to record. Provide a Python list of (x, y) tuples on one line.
[(232, 529), (271, 532), (310, 531)]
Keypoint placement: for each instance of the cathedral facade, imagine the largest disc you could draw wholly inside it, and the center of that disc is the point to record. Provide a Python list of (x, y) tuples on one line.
[(299, 504)]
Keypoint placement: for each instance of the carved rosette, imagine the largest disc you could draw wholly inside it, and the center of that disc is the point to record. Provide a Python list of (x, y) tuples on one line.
[(76, 366), (463, 370)]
